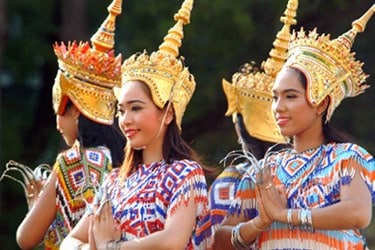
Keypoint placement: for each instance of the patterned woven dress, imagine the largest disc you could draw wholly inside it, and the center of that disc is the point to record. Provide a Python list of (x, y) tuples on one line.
[(223, 191), (142, 202), (312, 179), (74, 187)]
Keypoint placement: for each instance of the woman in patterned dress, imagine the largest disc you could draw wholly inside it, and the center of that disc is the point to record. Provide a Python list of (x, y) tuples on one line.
[(85, 112), (155, 200), (319, 193), (247, 98)]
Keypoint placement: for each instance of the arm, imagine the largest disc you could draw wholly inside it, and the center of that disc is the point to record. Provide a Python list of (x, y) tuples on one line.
[(78, 235), (222, 237), (353, 211), (175, 235), (249, 230), (34, 226)]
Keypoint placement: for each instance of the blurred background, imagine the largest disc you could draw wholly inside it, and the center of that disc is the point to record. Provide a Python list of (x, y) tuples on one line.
[(222, 36)]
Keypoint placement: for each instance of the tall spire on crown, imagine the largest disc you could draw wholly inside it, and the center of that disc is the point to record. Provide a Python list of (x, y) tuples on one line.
[(88, 72), (278, 54), (163, 71), (104, 38), (359, 25), (250, 92), (172, 41)]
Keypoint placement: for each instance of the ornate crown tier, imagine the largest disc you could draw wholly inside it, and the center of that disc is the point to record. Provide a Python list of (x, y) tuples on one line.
[(329, 65), (87, 74), (250, 92), (163, 72)]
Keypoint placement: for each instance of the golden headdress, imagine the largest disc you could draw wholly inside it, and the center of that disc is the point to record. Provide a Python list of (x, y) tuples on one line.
[(165, 74), (88, 74), (250, 93), (329, 65)]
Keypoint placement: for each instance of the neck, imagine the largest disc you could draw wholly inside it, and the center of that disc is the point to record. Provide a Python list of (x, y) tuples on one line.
[(152, 154), (310, 138), (301, 143)]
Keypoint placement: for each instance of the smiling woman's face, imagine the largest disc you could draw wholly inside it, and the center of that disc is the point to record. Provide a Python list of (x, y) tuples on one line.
[(294, 114), (139, 118)]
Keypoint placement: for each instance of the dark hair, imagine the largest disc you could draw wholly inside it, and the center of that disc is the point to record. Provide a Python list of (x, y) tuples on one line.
[(255, 146), (175, 147), (93, 134), (331, 133)]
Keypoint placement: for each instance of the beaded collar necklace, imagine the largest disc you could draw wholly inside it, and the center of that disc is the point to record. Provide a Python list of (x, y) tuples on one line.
[(308, 151)]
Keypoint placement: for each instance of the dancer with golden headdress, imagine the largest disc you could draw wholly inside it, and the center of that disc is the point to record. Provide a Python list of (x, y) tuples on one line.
[(160, 192), (84, 104), (319, 194), (249, 103)]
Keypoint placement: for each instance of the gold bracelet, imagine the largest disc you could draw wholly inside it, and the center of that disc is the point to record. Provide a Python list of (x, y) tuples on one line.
[(257, 228)]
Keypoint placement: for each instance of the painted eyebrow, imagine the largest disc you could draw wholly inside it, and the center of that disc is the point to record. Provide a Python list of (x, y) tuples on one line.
[(287, 91), (131, 102)]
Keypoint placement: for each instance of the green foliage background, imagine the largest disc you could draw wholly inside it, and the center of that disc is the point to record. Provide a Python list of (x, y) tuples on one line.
[(223, 35)]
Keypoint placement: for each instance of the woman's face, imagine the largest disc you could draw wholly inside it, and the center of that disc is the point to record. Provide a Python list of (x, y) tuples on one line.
[(140, 120), (67, 125), (294, 114)]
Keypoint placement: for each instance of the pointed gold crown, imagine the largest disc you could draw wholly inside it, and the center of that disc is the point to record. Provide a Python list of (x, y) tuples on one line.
[(250, 93), (87, 74), (329, 66), (162, 71)]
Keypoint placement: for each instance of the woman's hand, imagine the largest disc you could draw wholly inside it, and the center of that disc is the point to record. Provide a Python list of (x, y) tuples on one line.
[(103, 227), (262, 214), (32, 191), (271, 201)]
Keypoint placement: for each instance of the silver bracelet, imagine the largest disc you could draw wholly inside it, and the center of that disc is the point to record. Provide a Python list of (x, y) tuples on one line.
[(309, 221), (237, 241), (113, 245), (79, 246), (305, 220), (289, 219), (303, 217)]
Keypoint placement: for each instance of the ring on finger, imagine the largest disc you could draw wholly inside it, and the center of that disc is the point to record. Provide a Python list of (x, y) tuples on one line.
[(269, 185)]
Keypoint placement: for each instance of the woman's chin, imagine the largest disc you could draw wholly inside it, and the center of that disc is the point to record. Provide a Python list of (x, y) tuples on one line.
[(137, 146)]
